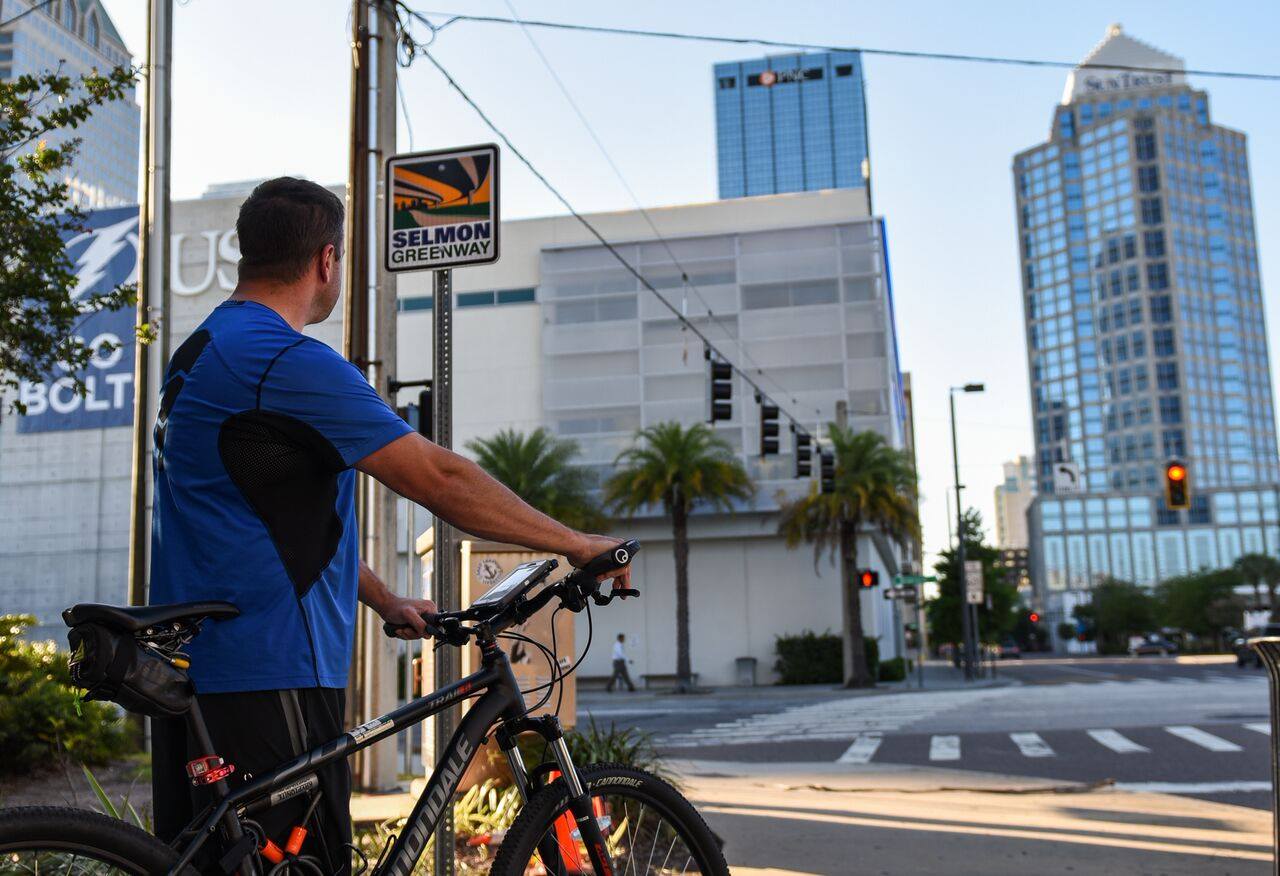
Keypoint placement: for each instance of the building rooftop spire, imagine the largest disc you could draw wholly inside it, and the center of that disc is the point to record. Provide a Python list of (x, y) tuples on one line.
[(1122, 50)]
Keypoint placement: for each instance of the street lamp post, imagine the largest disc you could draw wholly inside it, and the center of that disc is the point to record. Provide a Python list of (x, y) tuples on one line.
[(968, 614)]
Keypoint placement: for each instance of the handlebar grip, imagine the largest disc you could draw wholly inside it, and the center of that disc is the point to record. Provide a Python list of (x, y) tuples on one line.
[(433, 629), (617, 557)]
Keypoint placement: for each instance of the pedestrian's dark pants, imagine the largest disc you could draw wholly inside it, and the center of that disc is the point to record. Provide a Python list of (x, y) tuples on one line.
[(258, 731), (620, 672)]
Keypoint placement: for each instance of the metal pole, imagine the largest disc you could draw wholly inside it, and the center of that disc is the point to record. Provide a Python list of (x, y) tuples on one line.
[(965, 624), (380, 652), (448, 584), (1268, 648), (355, 314), (153, 276)]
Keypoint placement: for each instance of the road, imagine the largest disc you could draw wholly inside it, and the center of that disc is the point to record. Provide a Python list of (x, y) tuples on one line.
[(1151, 724)]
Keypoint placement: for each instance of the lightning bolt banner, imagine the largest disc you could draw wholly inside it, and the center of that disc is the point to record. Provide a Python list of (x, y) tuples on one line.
[(104, 255)]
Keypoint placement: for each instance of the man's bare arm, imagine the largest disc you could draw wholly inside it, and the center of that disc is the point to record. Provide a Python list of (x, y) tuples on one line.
[(461, 492)]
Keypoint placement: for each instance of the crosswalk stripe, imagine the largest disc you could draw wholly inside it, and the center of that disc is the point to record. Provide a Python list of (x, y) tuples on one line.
[(1031, 745), (944, 748), (1205, 740), (1117, 742), (1259, 728), (862, 749)]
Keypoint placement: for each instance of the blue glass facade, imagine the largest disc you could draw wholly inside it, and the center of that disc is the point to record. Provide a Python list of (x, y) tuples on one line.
[(1146, 341), (790, 123)]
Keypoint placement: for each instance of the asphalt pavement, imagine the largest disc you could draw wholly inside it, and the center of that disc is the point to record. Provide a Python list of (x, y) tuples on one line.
[(1183, 726)]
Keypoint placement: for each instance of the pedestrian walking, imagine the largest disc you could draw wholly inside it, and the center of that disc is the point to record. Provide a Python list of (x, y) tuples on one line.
[(620, 664)]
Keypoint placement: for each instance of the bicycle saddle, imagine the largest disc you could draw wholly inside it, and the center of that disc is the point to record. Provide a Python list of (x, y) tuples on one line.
[(135, 618)]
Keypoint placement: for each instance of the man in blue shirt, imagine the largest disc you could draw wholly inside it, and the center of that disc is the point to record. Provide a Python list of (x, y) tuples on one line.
[(258, 437)]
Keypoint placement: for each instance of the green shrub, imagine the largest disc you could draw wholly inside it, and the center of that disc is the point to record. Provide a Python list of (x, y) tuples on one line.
[(591, 744), (809, 658), (895, 669), (39, 721)]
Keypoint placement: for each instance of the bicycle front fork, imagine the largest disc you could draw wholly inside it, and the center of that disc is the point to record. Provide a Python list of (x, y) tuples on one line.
[(548, 727)]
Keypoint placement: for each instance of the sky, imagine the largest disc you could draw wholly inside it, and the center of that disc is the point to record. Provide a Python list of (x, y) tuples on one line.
[(261, 88)]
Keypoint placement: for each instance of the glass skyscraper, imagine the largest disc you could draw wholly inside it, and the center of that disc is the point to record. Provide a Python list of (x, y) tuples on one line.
[(1145, 333), (75, 37), (791, 123)]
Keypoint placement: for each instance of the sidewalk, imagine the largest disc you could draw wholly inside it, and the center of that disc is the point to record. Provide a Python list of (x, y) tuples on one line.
[(938, 676), (796, 819)]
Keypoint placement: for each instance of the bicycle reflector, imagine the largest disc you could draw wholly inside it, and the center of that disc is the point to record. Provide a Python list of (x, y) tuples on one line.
[(1034, 618), (1177, 492)]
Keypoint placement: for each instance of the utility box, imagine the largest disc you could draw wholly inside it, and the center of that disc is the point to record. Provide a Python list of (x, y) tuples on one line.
[(745, 671), (480, 565)]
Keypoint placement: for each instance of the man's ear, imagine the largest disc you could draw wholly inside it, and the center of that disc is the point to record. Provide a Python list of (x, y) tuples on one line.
[(327, 262)]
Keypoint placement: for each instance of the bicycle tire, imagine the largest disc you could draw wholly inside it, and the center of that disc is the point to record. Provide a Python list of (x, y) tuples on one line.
[(546, 806), (90, 834)]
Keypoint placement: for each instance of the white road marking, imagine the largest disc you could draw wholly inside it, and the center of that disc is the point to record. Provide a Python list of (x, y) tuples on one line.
[(1193, 787), (1204, 740), (944, 748), (862, 749), (1178, 679), (1117, 742), (1031, 745), (1262, 727)]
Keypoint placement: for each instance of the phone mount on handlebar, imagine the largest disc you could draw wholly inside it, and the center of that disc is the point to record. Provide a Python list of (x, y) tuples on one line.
[(508, 602)]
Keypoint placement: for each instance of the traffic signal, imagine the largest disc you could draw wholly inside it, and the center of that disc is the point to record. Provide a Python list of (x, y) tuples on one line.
[(426, 414), (1034, 618), (868, 578), (1177, 492), (828, 460), (804, 449), (768, 430), (721, 374)]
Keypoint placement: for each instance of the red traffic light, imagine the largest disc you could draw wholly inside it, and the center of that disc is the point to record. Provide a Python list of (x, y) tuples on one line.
[(1176, 473), (1034, 618)]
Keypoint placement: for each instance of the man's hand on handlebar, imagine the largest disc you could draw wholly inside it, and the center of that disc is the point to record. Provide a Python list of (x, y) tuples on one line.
[(400, 610), (592, 547)]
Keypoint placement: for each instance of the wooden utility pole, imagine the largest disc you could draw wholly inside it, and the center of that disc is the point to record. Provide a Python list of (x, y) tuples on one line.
[(373, 133), (153, 285)]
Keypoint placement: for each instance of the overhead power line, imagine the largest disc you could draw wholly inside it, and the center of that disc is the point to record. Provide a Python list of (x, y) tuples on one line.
[(453, 17), (411, 49), (648, 218)]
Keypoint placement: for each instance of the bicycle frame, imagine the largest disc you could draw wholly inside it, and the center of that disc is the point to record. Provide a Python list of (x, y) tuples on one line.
[(501, 703)]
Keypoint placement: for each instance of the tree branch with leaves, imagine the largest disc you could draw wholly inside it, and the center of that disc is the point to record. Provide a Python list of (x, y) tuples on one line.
[(41, 307)]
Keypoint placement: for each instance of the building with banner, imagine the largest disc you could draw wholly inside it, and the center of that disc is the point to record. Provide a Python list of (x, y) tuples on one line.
[(555, 334), (76, 37), (1146, 339)]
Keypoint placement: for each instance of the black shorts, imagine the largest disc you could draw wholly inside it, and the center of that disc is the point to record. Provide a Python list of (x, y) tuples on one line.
[(258, 731)]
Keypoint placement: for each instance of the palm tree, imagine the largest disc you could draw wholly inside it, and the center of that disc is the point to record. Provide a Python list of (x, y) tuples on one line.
[(1259, 570), (678, 468), (538, 467), (874, 486)]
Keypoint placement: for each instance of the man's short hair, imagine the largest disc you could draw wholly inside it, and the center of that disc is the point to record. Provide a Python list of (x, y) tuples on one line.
[(283, 225)]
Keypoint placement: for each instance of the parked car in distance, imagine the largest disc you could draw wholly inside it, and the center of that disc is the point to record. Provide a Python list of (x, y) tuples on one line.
[(1246, 656), (1153, 644), (1009, 650)]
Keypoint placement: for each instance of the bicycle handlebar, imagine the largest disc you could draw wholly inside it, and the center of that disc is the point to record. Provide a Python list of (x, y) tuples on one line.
[(573, 590)]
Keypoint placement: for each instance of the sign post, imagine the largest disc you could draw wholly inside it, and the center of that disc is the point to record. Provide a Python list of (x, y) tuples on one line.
[(442, 212)]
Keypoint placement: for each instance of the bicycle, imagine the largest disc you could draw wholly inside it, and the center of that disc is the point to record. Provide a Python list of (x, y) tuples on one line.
[(599, 818)]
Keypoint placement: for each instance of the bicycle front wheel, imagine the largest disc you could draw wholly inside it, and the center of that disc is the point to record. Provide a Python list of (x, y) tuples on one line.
[(649, 829), (51, 839)]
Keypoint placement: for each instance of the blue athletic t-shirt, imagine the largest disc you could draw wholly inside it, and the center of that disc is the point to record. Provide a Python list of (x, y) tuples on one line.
[(255, 438)]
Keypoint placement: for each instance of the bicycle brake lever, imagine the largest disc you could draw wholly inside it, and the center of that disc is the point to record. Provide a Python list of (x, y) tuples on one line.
[(620, 592)]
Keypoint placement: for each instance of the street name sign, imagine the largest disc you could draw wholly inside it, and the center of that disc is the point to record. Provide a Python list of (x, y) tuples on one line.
[(914, 579), (442, 209), (973, 582)]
